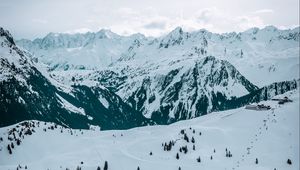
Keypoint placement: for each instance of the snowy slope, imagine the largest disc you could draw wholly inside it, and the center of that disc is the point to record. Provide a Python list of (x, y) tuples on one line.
[(272, 137)]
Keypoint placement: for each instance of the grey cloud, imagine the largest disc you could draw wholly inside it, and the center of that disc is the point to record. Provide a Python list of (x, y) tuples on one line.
[(156, 25)]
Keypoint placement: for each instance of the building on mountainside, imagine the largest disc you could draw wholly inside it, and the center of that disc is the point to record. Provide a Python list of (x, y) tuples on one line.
[(284, 100), (258, 107)]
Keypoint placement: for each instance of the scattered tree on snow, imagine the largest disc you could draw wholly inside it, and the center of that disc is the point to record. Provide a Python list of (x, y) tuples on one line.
[(289, 162), (9, 149), (105, 166)]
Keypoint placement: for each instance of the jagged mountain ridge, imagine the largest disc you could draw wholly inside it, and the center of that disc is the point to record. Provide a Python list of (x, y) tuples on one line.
[(168, 78), (28, 93), (166, 83), (189, 92), (270, 51), (64, 51)]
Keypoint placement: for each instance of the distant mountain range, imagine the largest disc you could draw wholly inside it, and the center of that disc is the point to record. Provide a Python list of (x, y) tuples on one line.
[(120, 82)]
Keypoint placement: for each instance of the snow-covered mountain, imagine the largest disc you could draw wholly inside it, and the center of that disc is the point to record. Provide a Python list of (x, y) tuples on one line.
[(79, 51), (28, 92), (180, 75), (271, 137), (256, 53)]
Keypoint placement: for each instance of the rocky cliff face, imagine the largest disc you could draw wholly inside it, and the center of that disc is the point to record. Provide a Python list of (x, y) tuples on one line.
[(26, 93), (185, 93), (121, 82)]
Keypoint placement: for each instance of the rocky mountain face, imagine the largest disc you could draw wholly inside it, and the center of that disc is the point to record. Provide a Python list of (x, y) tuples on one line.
[(120, 82), (26, 94), (185, 93)]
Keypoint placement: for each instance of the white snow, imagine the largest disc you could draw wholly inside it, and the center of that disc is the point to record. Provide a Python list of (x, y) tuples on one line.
[(272, 136), (103, 101), (69, 106)]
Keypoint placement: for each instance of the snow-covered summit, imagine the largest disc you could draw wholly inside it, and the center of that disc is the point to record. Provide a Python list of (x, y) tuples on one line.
[(270, 51)]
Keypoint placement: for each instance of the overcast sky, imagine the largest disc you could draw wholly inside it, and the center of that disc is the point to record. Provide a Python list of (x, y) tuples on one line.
[(36, 18)]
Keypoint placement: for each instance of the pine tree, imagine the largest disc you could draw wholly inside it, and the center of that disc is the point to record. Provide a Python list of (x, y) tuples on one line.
[(18, 141), (150, 153), (9, 149), (194, 148), (182, 131), (177, 156), (179, 168), (193, 140), (211, 157), (199, 159), (256, 161), (186, 138), (138, 168), (105, 166), (289, 162), (98, 168)]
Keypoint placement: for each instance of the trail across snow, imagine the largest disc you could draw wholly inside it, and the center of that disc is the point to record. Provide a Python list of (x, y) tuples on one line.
[(270, 136)]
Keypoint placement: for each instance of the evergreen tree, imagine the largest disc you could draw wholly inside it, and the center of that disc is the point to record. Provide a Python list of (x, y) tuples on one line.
[(211, 157), (193, 140), (150, 153), (138, 168), (256, 161), (289, 162), (98, 168), (194, 148), (186, 138), (9, 149), (18, 141), (199, 159), (177, 156), (105, 166), (179, 168), (182, 131)]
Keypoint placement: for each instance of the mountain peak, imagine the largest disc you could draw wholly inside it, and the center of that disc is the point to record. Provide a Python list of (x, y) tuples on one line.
[(106, 33), (7, 35), (177, 30), (270, 28)]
